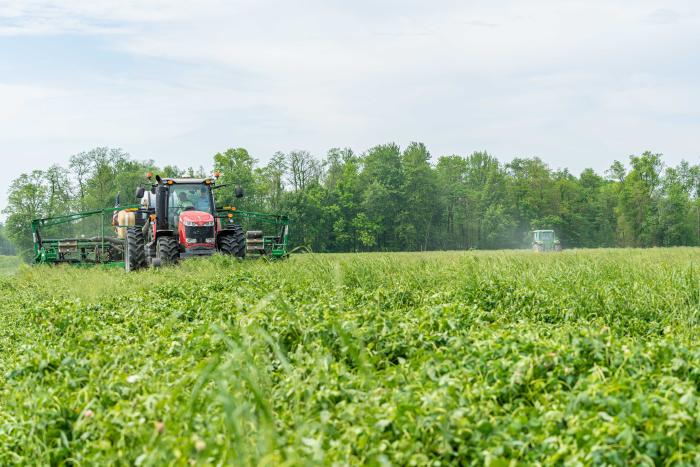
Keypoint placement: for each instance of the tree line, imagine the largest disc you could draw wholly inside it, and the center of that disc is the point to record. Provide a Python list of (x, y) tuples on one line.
[(394, 199)]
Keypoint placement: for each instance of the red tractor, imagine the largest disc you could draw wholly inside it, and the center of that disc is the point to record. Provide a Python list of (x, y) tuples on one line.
[(178, 219)]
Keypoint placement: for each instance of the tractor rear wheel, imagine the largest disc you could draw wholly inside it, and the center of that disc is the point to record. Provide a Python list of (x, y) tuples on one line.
[(168, 250), (233, 243), (134, 251)]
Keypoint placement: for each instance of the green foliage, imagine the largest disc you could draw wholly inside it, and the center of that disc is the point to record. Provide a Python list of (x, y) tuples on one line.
[(236, 167), (579, 358), (389, 199), (420, 195), (28, 197), (101, 173)]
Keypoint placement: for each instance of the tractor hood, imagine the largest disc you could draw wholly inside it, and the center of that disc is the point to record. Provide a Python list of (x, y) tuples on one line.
[(196, 217)]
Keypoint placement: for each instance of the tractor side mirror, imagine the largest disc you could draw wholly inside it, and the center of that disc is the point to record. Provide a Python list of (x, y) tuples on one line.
[(140, 191), (239, 192)]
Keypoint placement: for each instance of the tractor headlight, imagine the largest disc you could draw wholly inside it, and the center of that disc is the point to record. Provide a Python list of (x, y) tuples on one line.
[(191, 240), (210, 240), (194, 224)]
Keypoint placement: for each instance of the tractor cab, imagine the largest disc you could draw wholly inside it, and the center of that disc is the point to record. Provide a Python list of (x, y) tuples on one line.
[(191, 213), (189, 196), (545, 240)]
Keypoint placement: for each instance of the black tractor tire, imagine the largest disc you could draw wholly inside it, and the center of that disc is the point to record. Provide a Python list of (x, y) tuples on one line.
[(168, 250), (233, 243), (134, 250)]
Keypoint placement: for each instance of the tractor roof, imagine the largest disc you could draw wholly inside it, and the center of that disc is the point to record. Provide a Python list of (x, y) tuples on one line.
[(193, 181), (543, 230)]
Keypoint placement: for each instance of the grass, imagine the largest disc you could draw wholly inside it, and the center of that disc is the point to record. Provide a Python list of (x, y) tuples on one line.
[(426, 358)]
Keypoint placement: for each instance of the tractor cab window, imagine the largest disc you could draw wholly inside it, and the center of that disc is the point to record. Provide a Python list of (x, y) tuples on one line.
[(188, 198), (546, 235)]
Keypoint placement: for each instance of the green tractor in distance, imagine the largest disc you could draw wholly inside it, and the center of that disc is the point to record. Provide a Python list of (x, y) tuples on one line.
[(545, 240)]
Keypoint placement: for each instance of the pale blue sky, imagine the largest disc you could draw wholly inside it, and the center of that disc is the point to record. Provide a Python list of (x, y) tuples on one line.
[(577, 83)]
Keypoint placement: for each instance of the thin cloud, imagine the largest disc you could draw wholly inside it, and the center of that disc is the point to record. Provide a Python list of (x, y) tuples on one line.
[(480, 24), (664, 16)]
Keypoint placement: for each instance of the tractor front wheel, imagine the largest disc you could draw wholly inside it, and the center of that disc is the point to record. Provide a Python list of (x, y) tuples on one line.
[(233, 243), (168, 250), (134, 251)]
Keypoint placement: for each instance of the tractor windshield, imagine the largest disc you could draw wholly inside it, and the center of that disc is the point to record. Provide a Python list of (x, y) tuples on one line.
[(195, 197), (546, 235)]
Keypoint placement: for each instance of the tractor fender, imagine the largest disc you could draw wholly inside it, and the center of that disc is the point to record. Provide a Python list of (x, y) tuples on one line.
[(162, 233), (227, 230)]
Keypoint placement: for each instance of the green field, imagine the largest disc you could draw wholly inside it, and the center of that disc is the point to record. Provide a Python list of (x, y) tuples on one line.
[(415, 358)]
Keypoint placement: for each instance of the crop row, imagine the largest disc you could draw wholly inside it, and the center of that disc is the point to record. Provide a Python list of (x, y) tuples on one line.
[(436, 358)]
